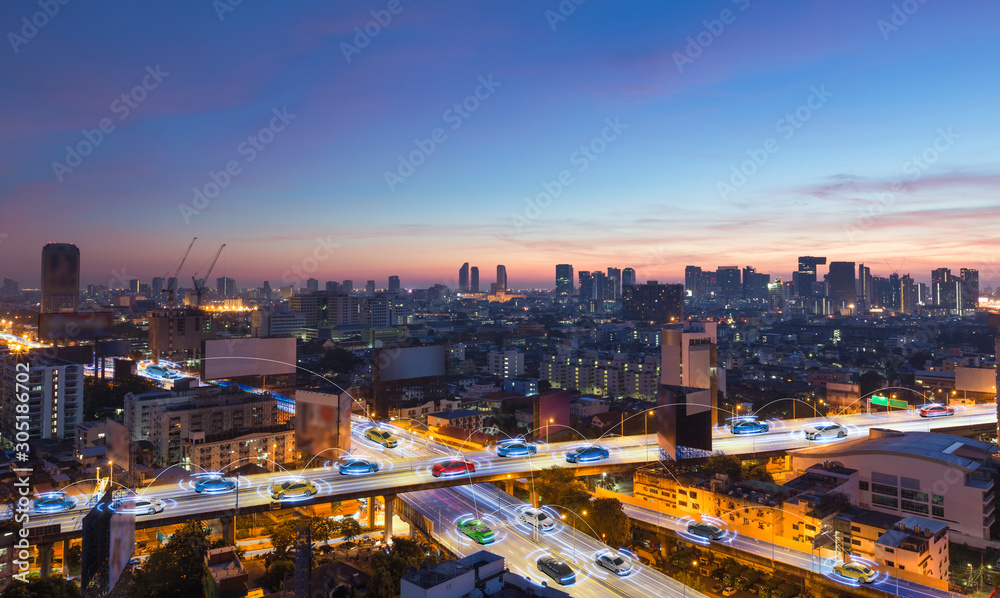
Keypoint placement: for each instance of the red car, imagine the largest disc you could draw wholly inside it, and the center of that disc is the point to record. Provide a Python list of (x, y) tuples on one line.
[(453, 467), (936, 411)]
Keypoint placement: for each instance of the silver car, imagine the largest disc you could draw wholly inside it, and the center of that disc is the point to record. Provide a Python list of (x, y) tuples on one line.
[(615, 563), (828, 430)]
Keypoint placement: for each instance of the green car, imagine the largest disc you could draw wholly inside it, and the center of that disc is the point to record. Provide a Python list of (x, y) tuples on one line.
[(477, 530)]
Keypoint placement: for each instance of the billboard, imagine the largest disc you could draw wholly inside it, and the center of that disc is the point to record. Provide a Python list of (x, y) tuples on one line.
[(551, 413), (410, 362), (114, 348), (116, 443), (682, 420), (73, 326), (322, 421), (237, 357), (122, 540)]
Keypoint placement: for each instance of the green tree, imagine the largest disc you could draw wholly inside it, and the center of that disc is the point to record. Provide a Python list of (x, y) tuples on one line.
[(610, 522), (282, 536), (276, 573), (349, 528), (323, 529), (691, 580), (388, 568), (101, 397), (730, 465), (48, 587), (559, 487), (757, 471), (74, 557), (177, 569)]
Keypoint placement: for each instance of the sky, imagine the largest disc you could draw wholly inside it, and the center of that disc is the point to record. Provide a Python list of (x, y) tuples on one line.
[(355, 140)]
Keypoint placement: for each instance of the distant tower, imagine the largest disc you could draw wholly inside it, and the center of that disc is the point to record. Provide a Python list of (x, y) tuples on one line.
[(370, 288), (564, 279), (267, 290), (463, 278), (628, 277), (474, 283), (347, 286), (393, 284), (60, 277), (501, 278), (615, 280), (312, 286)]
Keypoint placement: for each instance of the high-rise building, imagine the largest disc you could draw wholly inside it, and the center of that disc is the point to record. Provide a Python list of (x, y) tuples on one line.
[(689, 357), (603, 287), (615, 278), (55, 397), (60, 277), (474, 279), (133, 286), (907, 295), (370, 288), (312, 286), (942, 287), (226, 287), (267, 291), (157, 286), (729, 281), (864, 286), (393, 284), (501, 278), (10, 288), (332, 287), (564, 279), (692, 280), (376, 312), (586, 285), (463, 278), (347, 287), (841, 284), (628, 276), (805, 277), (506, 364), (970, 288), (776, 295), (653, 303)]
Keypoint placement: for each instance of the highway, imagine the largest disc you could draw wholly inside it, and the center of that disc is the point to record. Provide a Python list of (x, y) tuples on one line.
[(517, 543)]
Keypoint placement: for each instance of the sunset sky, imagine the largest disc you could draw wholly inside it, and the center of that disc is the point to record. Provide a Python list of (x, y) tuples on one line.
[(670, 99)]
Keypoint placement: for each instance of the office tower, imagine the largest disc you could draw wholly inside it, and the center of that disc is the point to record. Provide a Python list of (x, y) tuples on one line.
[(864, 286), (10, 288), (653, 303), (603, 289), (615, 277), (370, 288), (133, 286), (970, 288), (692, 281), (376, 312), (628, 276), (55, 397), (267, 290), (157, 286), (393, 284), (586, 285), (564, 279), (776, 295), (907, 295), (312, 286), (172, 282), (748, 281), (806, 275), (942, 286), (474, 279), (347, 287), (840, 280), (689, 357), (463, 278), (60, 277), (501, 278), (333, 287), (728, 278), (343, 310), (226, 287)]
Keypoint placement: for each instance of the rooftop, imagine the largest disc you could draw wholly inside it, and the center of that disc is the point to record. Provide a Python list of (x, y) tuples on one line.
[(955, 450), (455, 414)]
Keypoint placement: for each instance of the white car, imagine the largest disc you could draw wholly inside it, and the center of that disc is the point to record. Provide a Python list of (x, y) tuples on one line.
[(148, 506), (538, 518), (827, 430), (614, 563)]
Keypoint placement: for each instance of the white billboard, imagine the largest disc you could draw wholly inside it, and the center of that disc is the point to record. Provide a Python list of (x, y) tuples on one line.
[(410, 362), (236, 357)]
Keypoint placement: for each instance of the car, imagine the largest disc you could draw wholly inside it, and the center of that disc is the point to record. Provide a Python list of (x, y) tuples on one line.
[(936, 411), (148, 506), (827, 430), (453, 467), (382, 437), (477, 530), (614, 563), (214, 484), (856, 572), (537, 518), (706, 530), (717, 588), (729, 591), (556, 569), (587, 454), (748, 427), (54, 502), (516, 449), (293, 489), (356, 465)]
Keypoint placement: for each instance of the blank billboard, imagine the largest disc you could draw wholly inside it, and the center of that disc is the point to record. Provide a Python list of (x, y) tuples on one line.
[(237, 357), (410, 362), (116, 443), (322, 421), (70, 326)]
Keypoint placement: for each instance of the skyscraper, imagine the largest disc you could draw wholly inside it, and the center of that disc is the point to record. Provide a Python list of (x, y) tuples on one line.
[(586, 285), (970, 288), (653, 303), (501, 278), (692, 280), (267, 291), (60, 277), (393, 284), (628, 276), (728, 278), (226, 287), (312, 286), (564, 279), (463, 278), (157, 286), (332, 287), (347, 287), (865, 291), (370, 288), (474, 279), (942, 287), (806, 275), (841, 282), (615, 279)]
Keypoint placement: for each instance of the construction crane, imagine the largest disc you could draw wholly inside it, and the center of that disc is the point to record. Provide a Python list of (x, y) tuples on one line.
[(199, 288), (171, 291)]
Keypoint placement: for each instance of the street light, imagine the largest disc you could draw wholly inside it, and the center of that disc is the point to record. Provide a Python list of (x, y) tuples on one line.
[(646, 432), (547, 426)]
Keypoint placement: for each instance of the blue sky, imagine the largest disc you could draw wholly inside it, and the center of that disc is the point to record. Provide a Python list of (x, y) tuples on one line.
[(653, 198)]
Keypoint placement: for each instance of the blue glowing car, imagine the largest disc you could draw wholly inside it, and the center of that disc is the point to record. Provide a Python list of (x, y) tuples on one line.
[(214, 484), (588, 454), (749, 427), (357, 465), (54, 502), (516, 449)]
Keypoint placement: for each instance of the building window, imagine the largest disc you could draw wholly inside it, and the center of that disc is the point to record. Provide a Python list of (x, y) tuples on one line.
[(914, 507), (914, 495), (937, 511), (883, 489), (937, 499), (855, 528), (863, 485), (885, 502)]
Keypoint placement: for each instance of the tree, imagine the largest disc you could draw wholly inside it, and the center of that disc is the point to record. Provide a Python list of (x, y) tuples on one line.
[(757, 471), (282, 536), (323, 529), (276, 573), (42, 587), (349, 528), (74, 557), (557, 486), (691, 580), (177, 569), (388, 568), (103, 396), (869, 382), (730, 465), (610, 521), (338, 361)]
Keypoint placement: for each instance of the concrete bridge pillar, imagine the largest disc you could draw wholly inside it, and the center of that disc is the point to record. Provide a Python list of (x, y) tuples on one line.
[(389, 509), (66, 545), (228, 529), (45, 552), (372, 502), (508, 486)]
